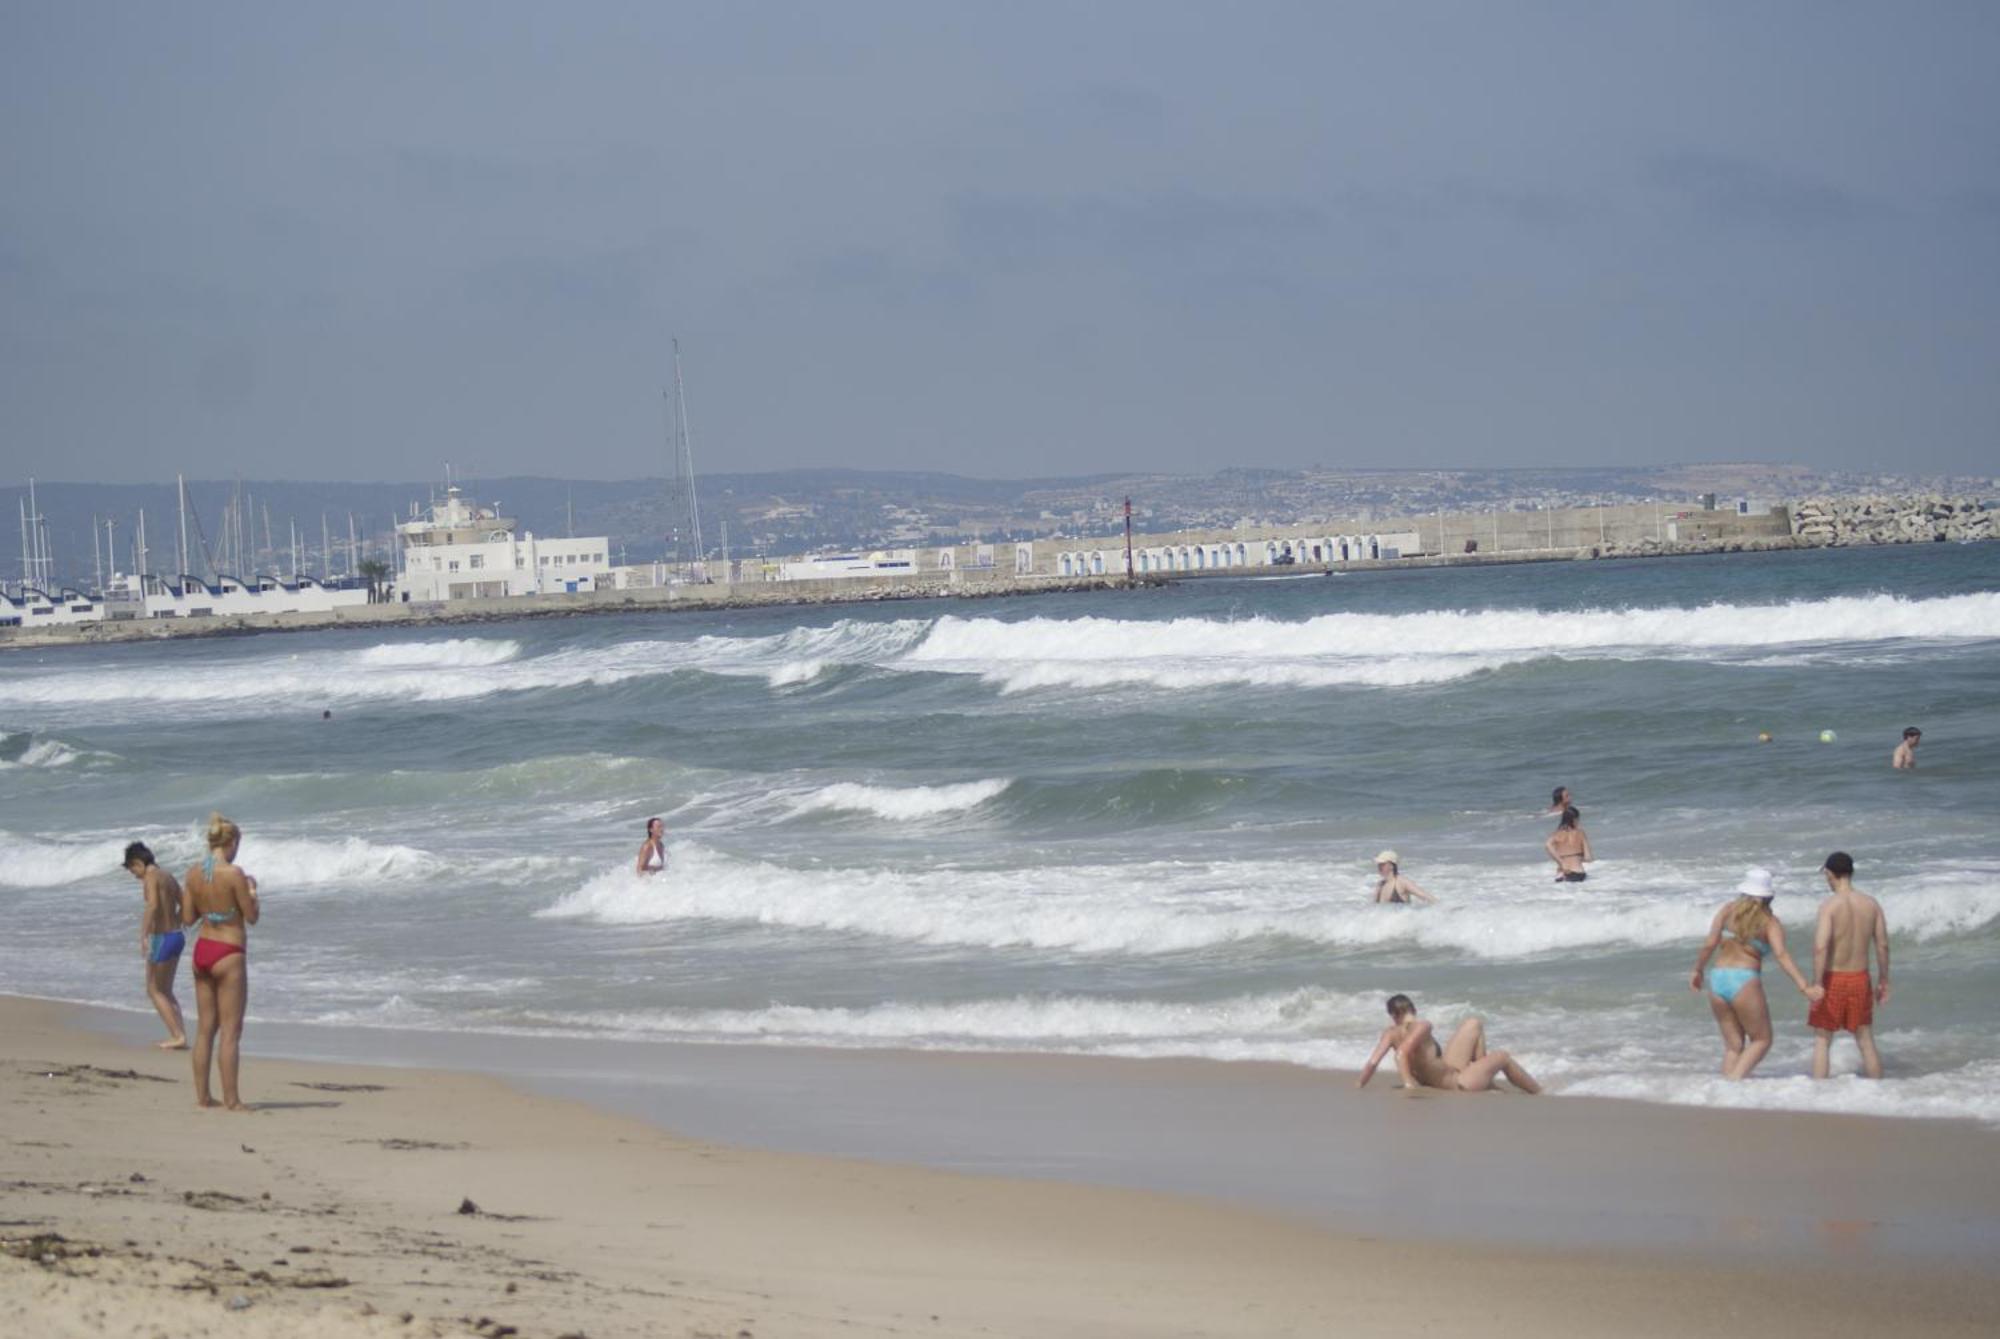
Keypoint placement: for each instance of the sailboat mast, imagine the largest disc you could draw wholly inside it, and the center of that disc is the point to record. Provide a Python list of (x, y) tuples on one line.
[(687, 455), (180, 482)]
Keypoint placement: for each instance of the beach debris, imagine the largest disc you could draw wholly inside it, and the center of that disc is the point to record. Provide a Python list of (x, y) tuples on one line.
[(87, 1073), (410, 1145), (246, 1148), (238, 1303), (466, 1206), (211, 1199), (137, 1178), (343, 1087), (512, 1286)]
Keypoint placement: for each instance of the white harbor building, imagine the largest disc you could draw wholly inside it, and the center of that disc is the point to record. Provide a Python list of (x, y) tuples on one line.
[(464, 551)]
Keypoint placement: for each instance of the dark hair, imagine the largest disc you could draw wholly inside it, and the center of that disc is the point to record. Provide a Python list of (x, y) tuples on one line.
[(649, 824), (1400, 1005), (1560, 796), (1911, 732), (140, 852), (1570, 814), (1840, 863)]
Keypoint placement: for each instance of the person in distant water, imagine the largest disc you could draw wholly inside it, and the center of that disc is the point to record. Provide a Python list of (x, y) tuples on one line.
[(1850, 922), (653, 851), (222, 900), (1904, 759), (1569, 847), (160, 939), (1742, 935), (326, 715), (1462, 1065), (1394, 885), (1559, 801)]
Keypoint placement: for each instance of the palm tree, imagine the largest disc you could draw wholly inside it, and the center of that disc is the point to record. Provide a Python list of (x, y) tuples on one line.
[(377, 574)]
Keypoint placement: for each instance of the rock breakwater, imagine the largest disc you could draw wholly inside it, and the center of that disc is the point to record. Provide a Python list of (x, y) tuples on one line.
[(1908, 519)]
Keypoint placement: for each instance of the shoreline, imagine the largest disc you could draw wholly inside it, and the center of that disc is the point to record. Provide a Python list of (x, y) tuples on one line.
[(371, 1200), (829, 591), (1230, 1128)]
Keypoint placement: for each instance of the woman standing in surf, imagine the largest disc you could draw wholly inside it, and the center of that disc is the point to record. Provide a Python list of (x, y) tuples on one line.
[(221, 900), (1741, 936), (653, 851)]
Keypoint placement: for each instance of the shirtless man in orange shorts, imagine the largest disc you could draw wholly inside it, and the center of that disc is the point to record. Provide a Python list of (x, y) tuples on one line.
[(1850, 922)]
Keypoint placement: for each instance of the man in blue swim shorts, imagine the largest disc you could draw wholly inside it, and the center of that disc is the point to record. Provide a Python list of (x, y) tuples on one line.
[(160, 939)]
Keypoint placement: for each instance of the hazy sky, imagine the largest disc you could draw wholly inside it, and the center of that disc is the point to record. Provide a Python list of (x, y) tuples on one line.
[(358, 241)]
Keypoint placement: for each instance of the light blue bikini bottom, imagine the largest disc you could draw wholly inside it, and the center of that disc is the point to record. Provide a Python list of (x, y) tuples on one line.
[(1724, 982)]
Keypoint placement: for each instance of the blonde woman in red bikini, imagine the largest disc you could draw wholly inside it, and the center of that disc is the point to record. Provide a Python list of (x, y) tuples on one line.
[(221, 901)]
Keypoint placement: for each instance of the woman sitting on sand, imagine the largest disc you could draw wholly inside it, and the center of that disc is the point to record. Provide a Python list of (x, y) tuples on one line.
[(221, 900), (653, 851), (1394, 885), (1569, 847), (1741, 936)]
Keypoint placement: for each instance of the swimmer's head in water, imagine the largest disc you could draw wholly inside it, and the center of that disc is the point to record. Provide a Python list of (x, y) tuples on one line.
[(1570, 815), (1388, 858), (138, 854), (1400, 1007), (655, 826), (1840, 864), (1912, 733), (1560, 796), (222, 834)]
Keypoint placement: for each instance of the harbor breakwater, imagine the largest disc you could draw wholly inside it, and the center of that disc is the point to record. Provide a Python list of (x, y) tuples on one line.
[(1443, 540)]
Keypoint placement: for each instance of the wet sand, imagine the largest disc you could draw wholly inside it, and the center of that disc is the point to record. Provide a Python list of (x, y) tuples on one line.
[(335, 1208)]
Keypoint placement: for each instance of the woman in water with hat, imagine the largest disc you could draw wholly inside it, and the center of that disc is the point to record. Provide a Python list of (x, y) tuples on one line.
[(1395, 886), (1742, 935)]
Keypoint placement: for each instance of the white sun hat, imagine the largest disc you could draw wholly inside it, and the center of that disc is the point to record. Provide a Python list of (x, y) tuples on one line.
[(1756, 883), (1387, 858)]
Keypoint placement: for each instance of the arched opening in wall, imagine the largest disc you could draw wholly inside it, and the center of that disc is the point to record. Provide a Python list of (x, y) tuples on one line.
[(1065, 565), (1242, 556), (1200, 559), (1374, 546), (1097, 563), (1270, 553), (1316, 556)]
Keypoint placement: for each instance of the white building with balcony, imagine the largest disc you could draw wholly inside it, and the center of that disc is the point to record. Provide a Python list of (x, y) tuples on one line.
[(464, 551)]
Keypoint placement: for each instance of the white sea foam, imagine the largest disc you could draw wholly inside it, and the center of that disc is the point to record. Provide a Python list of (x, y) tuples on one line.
[(444, 671), (1023, 1022), (452, 653), (350, 864), (1158, 907), (25, 750), (901, 803), (1417, 648)]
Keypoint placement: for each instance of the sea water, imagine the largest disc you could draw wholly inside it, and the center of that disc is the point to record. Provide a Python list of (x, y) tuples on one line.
[(1132, 823)]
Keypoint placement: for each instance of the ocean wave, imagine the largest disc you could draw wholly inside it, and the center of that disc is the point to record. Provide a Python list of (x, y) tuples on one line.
[(452, 653), (24, 749), (1962, 1092), (1165, 907), (1436, 646), (901, 803), (455, 670), (279, 863), (1021, 1022)]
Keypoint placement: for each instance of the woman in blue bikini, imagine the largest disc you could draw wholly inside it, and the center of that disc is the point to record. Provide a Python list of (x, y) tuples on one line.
[(1741, 936)]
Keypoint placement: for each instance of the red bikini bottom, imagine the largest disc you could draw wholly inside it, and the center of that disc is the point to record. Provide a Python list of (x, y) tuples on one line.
[(208, 952)]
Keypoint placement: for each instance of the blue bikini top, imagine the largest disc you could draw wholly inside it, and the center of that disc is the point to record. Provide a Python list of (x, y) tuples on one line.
[(208, 874)]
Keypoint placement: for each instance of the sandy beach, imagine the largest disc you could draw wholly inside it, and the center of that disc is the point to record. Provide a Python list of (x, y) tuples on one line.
[(407, 1200)]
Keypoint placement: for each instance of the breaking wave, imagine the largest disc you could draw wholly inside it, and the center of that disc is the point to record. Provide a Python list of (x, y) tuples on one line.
[(1162, 907)]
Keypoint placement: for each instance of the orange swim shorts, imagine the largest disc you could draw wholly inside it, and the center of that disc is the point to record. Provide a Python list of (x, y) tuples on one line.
[(1849, 1004)]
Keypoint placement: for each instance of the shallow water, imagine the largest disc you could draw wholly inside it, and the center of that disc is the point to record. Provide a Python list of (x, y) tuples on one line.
[(1135, 823)]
